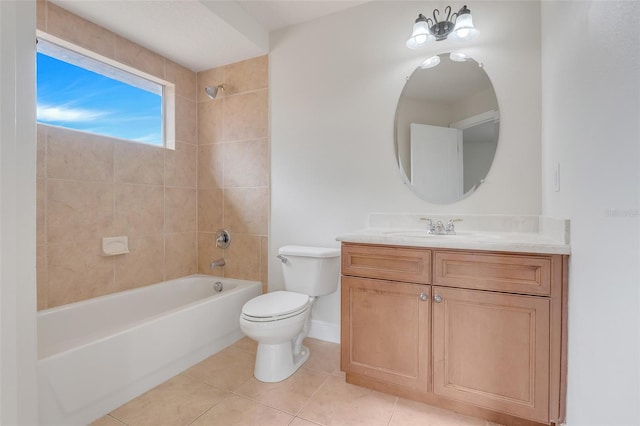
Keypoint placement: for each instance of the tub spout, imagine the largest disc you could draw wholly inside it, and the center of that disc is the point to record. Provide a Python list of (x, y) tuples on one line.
[(216, 263)]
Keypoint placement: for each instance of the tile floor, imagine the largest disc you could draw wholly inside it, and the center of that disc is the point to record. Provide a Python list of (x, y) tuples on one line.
[(221, 390)]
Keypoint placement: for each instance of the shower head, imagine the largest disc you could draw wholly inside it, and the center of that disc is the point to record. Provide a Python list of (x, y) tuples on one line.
[(212, 91)]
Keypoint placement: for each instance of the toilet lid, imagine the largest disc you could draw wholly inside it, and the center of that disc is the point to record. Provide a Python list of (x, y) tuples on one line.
[(277, 303)]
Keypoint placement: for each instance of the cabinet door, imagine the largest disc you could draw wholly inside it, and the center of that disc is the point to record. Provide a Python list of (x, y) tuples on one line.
[(385, 331), (492, 350)]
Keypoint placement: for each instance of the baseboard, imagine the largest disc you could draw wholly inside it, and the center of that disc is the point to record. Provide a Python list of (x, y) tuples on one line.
[(326, 331)]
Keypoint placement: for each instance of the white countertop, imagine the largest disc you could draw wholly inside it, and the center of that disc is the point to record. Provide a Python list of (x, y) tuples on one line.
[(524, 234)]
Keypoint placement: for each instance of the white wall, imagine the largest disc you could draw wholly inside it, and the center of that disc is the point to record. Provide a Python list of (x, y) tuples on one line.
[(334, 87), (591, 127), (18, 389)]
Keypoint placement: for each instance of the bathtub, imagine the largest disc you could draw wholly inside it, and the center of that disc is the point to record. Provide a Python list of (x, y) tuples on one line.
[(95, 355)]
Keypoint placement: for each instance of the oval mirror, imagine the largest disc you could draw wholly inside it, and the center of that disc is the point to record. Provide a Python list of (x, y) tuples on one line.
[(446, 129)]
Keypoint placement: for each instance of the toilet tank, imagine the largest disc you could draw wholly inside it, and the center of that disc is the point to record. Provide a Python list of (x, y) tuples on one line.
[(311, 270)]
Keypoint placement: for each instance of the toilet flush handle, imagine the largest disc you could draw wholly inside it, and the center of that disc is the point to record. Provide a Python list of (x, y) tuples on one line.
[(282, 258)]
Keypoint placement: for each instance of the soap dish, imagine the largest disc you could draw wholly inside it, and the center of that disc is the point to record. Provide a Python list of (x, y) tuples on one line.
[(113, 246)]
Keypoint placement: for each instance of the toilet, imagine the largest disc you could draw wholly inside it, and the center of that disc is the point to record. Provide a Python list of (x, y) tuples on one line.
[(279, 321)]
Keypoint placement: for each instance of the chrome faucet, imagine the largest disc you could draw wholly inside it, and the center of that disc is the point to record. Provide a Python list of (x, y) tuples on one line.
[(439, 228), (216, 263), (450, 229), (431, 229)]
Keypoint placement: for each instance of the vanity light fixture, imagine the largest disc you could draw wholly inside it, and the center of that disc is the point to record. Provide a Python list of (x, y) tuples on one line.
[(455, 27)]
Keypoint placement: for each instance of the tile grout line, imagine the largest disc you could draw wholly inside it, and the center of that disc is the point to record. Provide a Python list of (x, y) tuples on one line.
[(393, 412), (297, 414), (210, 408)]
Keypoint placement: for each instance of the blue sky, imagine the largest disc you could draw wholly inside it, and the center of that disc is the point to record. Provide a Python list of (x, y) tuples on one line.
[(76, 98)]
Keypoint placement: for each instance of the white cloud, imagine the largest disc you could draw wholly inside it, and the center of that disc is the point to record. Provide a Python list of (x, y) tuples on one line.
[(68, 115), (152, 138)]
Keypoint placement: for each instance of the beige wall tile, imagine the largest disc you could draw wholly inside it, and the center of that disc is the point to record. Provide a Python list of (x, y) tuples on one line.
[(78, 211), (243, 257), (181, 255), (210, 203), (78, 155), (183, 78), (245, 116), (207, 253), (41, 151), (139, 210), (77, 271), (41, 277), (181, 166), (139, 163), (210, 121), (211, 77), (142, 265), (246, 163), (138, 57), (41, 15), (180, 210), (41, 211), (248, 75), (210, 166), (131, 199), (70, 27), (246, 210), (186, 120), (264, 263)]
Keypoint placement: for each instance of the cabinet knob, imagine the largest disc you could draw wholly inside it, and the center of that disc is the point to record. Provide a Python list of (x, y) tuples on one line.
[(424, 296), (437, 298)]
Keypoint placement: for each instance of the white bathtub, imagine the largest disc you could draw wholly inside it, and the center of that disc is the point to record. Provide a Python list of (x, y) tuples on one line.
[(95, 355)]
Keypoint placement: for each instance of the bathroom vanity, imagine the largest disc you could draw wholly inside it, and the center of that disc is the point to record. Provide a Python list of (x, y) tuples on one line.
[(473, 322)]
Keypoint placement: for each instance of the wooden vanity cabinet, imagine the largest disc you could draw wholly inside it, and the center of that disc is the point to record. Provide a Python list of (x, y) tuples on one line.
[(481, 333)]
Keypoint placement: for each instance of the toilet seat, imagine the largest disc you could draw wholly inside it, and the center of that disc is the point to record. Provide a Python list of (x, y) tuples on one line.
[(275, 306)]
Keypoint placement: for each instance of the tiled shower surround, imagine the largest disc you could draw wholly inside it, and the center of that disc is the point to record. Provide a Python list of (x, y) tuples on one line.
[(167, 202)]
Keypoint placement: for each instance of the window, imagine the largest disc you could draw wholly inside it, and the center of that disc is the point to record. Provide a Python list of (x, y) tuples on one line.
[(79, 91)]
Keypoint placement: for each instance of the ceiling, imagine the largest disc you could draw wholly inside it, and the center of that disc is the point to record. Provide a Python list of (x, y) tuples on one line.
[(202, 34)]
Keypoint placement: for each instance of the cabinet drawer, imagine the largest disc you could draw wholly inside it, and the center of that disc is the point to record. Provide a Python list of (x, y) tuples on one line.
[(396, 264), (499, 272)]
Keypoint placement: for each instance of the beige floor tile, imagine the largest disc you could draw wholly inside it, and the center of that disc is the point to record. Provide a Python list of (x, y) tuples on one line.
[(246, 344), (227, 370), (302, 422), (325, 356), (178, 401), (238, 411), (288, 395), (107, 421), (339, 403), (410, 413)]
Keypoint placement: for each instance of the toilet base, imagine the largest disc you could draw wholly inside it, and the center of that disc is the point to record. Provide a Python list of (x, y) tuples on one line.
[(275, 363)]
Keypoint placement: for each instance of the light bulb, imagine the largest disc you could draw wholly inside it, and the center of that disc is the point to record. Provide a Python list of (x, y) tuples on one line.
[(430, 62), (420, 35), (464, 30), (458, 57)]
